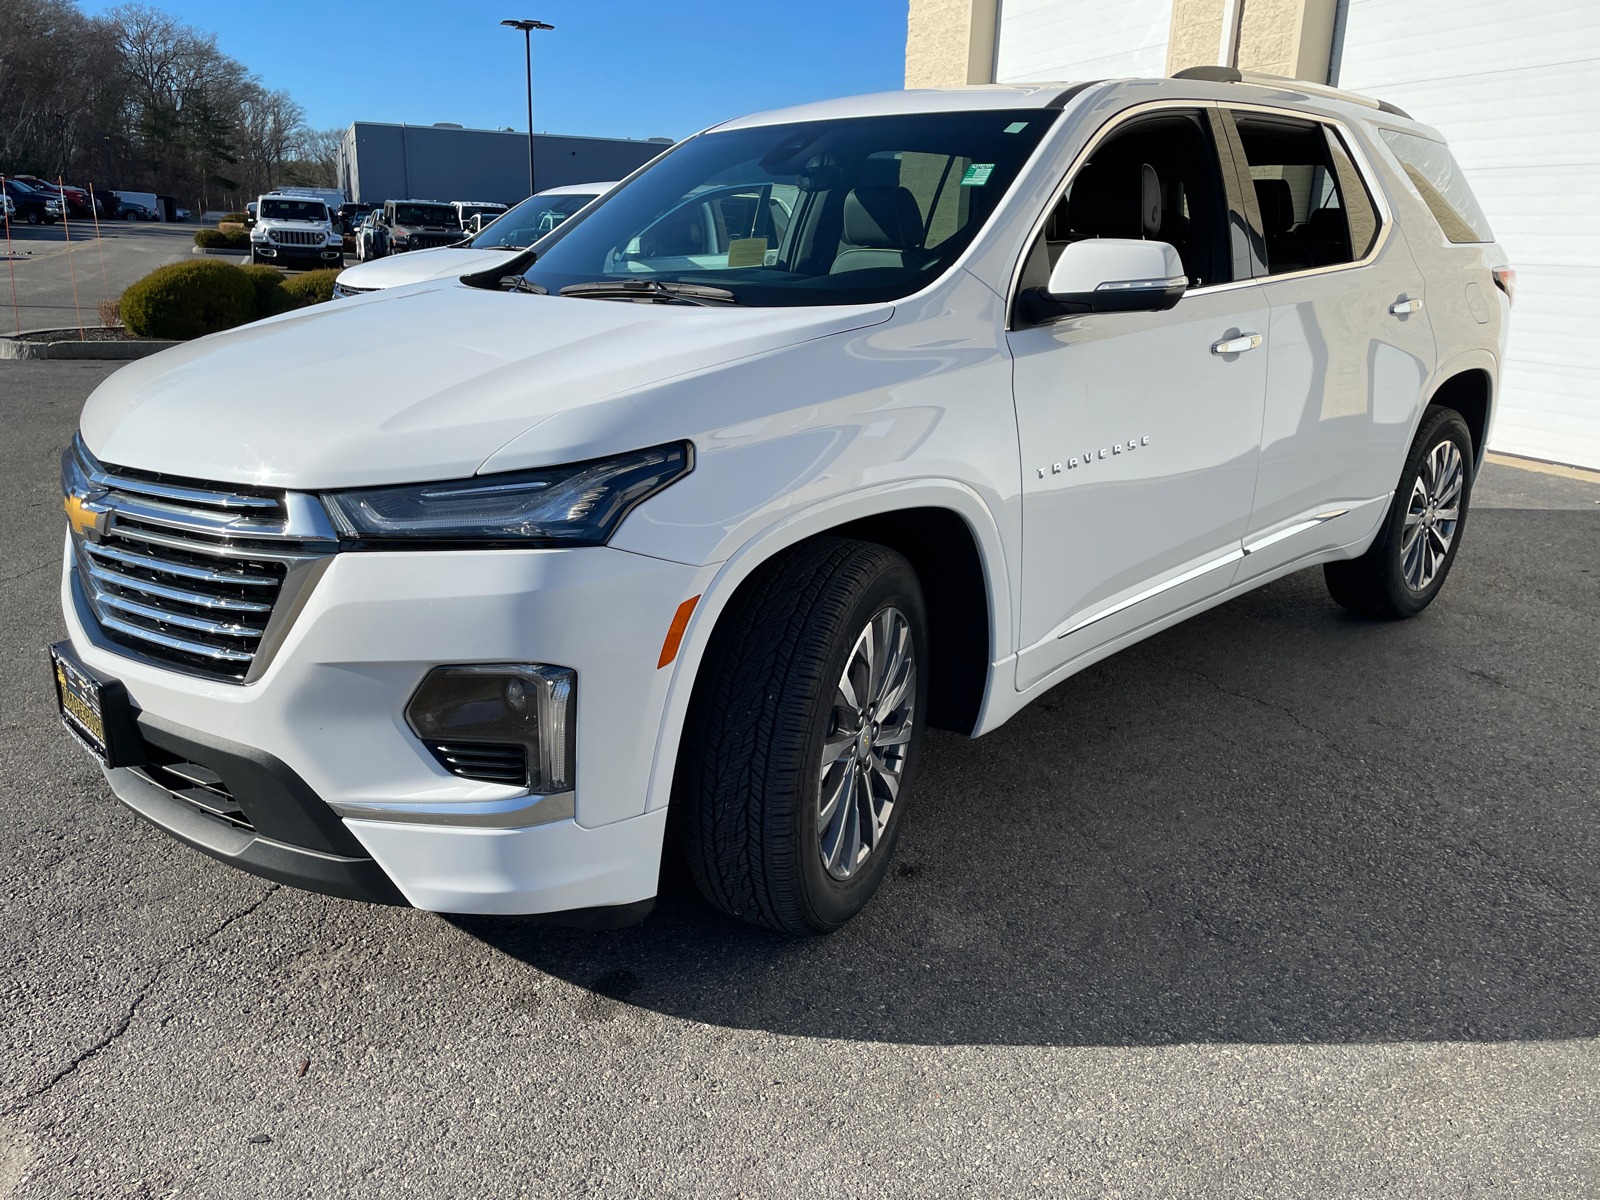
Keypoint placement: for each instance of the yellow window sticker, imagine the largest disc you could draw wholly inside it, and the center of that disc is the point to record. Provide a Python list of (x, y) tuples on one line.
[(747, 252)]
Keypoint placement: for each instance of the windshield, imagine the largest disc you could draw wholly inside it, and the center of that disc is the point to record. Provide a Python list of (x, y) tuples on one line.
[(293, 210), (830, 212), (529, 221), (425, 214), (468, 211)]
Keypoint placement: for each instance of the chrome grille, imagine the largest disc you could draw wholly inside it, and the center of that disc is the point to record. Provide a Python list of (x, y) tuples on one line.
[(201, 577), (296, 237)]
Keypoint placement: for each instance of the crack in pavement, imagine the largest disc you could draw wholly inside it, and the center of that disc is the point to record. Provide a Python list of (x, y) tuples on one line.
[(44, 566), (22, 1104)]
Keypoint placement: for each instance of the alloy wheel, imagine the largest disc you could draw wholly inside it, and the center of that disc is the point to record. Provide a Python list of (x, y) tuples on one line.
[(1432, 515), (869, 733)]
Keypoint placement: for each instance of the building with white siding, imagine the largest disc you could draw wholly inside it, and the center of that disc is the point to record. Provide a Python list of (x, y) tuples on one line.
[(1515, 88)]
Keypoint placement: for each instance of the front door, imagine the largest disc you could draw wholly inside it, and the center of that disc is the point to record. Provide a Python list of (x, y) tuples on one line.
[(1139, 432)]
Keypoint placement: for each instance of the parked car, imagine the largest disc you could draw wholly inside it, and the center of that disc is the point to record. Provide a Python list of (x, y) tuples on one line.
[(295, 231), (419, 225), (515, 229), (33, 206), (828, 426), (77, 198), (369, 238), (350, 215), (150, 205), (8, 207), (469, 211), (132, 210)]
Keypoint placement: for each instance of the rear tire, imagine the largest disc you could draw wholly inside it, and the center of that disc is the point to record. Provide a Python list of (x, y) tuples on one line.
[(803, 734), (1411, 558)]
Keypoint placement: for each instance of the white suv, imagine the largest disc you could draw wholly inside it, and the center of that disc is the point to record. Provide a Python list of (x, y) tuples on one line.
[(295, 231), (829, 425)]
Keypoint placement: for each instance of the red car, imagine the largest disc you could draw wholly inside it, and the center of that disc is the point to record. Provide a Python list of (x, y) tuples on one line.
[(77, 198)]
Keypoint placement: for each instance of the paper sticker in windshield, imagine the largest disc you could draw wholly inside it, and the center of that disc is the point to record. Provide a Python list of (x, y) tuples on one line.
[(747, 252), (977, 175)]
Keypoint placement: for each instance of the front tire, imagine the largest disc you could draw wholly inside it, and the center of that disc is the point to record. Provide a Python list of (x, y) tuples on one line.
[(803, 734), (1408, 563)]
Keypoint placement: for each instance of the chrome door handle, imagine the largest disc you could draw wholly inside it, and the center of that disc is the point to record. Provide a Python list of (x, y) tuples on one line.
[(1401, 307), (1238, 345)]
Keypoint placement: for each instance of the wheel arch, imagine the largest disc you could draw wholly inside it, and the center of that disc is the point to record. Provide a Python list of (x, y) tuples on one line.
[(928, 521), (1466, 383)]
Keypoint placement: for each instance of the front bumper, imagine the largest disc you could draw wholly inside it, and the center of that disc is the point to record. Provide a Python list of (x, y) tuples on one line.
[(317, 254), (329, 709)]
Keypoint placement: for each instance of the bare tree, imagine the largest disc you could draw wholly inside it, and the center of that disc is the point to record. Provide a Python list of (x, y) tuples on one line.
[(139, 100)]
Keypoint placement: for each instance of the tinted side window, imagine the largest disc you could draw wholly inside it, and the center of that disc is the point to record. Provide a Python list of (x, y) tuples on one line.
[(1315, 211), (1360, 213), (1433, 171), (1104, 199)]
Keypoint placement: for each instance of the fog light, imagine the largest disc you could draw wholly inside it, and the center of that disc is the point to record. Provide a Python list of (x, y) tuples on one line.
[(507, 723)]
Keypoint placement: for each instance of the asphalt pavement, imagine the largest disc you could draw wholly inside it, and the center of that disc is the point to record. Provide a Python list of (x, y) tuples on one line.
[(1279, 903)]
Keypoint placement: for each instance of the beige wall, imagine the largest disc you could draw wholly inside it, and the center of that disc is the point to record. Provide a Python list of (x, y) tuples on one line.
[(950, 43)]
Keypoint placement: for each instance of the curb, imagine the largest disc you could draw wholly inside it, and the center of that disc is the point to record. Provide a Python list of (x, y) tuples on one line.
[(11, 348), (218, 250)]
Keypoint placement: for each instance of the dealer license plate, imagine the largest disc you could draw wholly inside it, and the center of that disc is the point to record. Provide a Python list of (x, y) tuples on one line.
[(81, 698)]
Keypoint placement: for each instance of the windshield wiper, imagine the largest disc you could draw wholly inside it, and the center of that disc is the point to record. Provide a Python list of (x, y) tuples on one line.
[(651, 291)]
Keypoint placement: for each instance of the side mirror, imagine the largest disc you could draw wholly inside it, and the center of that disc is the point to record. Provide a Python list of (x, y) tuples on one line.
[(1103, 275)]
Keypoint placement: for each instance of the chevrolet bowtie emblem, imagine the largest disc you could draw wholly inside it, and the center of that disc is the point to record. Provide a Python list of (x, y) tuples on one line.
[(87, 518)]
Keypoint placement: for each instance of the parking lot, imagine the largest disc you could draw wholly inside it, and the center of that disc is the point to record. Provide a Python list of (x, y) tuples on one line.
[(45, 265), (1278, 903)]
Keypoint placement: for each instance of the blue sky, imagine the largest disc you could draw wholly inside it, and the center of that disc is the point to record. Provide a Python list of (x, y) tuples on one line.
[(613, 68)]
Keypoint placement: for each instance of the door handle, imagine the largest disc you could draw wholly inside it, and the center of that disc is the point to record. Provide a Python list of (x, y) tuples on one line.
[(1238, 345), (1401, 307)]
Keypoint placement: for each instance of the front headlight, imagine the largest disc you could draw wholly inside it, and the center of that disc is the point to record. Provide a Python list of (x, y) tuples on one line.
[(576, 505)]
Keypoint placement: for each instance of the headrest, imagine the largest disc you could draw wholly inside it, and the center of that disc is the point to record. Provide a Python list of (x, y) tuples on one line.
[(882, 217), (1326, 224), (1116, 199), (1277, 205)]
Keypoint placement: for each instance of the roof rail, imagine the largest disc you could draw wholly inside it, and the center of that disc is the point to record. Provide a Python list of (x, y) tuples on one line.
[(1262, 79)]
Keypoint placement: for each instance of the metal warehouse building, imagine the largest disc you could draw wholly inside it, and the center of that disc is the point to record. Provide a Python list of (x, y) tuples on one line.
[(379, 162), (1515, 87)]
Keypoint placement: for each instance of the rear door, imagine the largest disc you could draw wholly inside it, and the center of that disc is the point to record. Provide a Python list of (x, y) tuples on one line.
[(1138, 438), (1349, 348)]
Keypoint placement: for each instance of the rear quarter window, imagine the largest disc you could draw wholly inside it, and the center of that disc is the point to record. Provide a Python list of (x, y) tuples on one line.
[(1433, 171)]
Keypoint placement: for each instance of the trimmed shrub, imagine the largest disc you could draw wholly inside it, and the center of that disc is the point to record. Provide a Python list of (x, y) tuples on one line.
[(237, 218), (271, 298), (214, 239), (189, 300), (314, 287)]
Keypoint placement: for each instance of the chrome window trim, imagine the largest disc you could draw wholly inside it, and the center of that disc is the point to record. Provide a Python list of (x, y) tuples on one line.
[(1353, 146), (1358, 156)]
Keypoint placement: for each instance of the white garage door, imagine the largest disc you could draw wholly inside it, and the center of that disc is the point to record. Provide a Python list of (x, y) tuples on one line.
[(1516, 90), (1081, 39)]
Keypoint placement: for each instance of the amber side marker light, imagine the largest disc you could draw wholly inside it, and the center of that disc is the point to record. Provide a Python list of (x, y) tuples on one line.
[(680, 622), (1506, 280)]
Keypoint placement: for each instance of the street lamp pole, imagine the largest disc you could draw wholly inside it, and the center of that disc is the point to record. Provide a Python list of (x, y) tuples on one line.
[(527, 28)]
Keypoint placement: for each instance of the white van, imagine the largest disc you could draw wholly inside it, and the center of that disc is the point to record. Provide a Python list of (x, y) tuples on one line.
[(827, 426)]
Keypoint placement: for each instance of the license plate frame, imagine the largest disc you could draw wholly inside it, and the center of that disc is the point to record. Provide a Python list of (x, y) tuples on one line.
[(95, 710)]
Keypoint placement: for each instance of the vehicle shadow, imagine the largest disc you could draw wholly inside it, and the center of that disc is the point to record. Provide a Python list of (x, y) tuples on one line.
[(1274, 823)]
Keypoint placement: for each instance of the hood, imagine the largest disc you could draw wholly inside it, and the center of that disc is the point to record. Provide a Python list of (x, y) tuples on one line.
[(419, 266), (417, 383)]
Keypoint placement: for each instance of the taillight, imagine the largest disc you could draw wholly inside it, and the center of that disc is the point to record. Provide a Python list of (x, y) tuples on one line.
[(1506, 280)]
